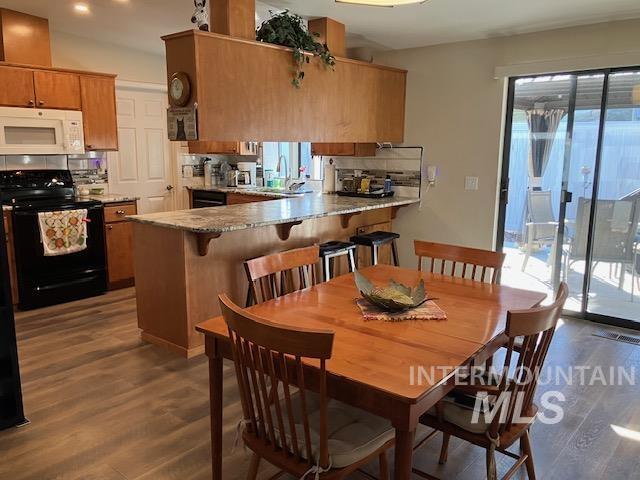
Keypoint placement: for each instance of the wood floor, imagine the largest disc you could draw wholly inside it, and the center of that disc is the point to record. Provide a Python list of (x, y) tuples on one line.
[(104, 405)]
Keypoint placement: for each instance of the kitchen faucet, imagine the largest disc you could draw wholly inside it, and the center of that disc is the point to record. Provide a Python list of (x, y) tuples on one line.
[(287, 175), (288, 184)]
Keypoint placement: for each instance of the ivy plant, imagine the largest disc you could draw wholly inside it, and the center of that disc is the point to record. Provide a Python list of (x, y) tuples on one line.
[(289, 30)]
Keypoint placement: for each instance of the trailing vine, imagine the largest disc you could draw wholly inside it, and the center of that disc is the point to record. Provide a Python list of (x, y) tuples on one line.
[(289, 30)]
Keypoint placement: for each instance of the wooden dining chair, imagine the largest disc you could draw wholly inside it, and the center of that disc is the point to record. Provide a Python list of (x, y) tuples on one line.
[(456, 261), (275, 275), (509, 397), (303, 433)]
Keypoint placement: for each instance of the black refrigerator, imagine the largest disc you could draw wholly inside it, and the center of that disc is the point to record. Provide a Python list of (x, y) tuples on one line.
[(11, 412)]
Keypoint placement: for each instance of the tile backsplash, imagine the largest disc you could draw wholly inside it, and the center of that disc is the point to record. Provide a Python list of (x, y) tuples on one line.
[(402, 164), (89, 168)]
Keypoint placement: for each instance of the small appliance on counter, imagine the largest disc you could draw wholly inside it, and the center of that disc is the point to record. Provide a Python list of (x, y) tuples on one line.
[(247, 174), (232, 178)]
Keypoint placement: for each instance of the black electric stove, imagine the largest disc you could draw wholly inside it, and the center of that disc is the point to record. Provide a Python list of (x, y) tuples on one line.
[(47, 280)]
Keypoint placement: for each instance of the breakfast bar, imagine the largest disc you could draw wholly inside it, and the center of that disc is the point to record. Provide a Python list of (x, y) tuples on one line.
[(184, 259)]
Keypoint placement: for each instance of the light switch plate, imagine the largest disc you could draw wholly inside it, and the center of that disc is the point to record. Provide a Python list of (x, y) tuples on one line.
[(471, 183)]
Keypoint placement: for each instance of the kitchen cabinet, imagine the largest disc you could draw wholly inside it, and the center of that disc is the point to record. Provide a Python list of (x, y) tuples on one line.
[(93, 93), (243, 91), (98, 95), (344, 149), (17, 87), (11, 256), (384, 252), (228, 148), (119, 244), (59, 90), (237, 198)]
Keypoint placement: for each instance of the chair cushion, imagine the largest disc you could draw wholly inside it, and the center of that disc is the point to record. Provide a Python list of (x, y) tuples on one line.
[(353, 433), (459, 409), (374, 238)]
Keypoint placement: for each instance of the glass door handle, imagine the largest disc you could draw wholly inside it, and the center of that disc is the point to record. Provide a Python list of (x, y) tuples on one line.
[(567, 197)]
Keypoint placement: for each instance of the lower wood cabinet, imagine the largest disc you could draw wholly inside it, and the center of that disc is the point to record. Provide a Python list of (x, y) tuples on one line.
[(236, 198), (11, 256), (119, 244)]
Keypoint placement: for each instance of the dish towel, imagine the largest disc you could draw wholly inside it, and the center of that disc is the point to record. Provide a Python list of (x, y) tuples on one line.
[(63, 232)]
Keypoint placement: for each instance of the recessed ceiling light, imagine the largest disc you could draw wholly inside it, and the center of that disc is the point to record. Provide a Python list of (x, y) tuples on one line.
[(381, 3), (81, 8)]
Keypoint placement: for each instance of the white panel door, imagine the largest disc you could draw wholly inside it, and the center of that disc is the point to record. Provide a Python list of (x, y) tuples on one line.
[(142, 167)]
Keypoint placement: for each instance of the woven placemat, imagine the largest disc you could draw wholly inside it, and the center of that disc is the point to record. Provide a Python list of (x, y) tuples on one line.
[(427, 311)]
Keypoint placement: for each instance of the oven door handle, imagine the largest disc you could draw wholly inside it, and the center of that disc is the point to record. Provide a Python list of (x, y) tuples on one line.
[(34, 213)]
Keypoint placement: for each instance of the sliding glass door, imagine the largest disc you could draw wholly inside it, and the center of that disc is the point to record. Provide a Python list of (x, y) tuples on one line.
[(570, 190)]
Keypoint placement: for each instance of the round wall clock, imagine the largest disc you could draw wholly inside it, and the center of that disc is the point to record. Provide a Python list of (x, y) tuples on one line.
[(179, 89)]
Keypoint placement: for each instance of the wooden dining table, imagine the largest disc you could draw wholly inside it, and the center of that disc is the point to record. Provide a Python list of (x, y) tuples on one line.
[(372, 361)]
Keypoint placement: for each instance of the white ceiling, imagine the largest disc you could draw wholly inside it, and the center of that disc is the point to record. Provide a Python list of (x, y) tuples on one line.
[(140, 23)]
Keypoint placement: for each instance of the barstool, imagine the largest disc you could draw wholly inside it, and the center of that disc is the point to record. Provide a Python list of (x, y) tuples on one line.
[(374, 240), (330, 250)]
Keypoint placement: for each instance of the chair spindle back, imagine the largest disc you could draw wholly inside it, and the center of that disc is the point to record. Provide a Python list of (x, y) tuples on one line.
[(536, 326), (275, 275), (456, 261), (268, 360)]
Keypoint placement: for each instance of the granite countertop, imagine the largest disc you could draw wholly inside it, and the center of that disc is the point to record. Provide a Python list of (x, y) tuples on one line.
[(246, 191), (110, 198), (259, 214)]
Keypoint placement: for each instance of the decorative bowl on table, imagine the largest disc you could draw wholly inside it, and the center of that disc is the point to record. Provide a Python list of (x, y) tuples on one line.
[(395, 297)]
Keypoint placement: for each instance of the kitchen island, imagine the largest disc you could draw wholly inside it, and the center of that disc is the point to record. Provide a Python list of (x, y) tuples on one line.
[(184, 259)]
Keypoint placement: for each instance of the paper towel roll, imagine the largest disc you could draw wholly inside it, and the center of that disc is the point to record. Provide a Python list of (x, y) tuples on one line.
[(329, 182)]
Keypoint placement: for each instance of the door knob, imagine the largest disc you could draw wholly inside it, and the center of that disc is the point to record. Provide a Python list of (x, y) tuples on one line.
[(169, 187)]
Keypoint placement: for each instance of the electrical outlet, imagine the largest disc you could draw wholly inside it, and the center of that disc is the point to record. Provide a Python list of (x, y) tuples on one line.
[(471, 183)]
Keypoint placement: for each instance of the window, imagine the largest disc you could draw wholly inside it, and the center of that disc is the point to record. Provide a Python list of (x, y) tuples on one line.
[(280, 156)]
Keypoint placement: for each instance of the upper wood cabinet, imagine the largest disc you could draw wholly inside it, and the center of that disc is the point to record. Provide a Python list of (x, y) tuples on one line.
[(16, 87), (229, 148), (98, 96), (202, 147), (93, 93), (57, 90), (243, 91), (344, 149), (24, 87)]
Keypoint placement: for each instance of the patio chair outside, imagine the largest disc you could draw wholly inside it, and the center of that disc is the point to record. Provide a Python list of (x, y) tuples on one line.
[(541, 225), (616, 227)]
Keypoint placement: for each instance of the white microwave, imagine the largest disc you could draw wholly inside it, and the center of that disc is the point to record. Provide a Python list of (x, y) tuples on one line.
[(31, 131)]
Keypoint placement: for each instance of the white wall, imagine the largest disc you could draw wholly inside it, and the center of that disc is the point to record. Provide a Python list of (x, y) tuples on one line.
[(455, 110), (70, 51)]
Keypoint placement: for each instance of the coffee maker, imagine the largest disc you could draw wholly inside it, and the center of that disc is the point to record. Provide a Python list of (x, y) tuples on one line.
[(247, 174)]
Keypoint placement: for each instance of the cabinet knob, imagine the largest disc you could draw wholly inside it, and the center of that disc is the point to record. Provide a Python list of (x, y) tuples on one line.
[(31, 102), (120, 212), (109, 227), (41, 102), (89, 146)]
